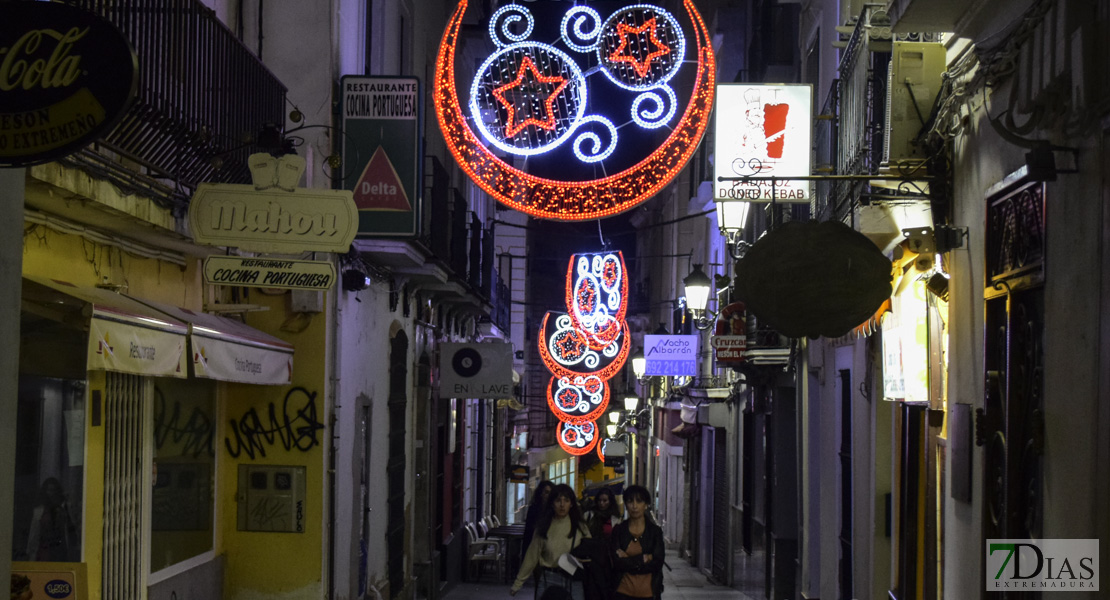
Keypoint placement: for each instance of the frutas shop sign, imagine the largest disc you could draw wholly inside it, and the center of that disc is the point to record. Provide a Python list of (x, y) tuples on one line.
[(66, 77)]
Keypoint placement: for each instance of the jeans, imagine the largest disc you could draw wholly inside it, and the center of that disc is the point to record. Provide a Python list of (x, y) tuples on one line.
[(557, 578)]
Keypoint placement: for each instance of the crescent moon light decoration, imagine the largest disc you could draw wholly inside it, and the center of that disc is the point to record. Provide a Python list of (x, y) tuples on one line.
[(529, 97), (584, 348)]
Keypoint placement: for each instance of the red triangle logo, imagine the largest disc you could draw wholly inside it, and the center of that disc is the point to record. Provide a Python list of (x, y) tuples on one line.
[(380, 188)]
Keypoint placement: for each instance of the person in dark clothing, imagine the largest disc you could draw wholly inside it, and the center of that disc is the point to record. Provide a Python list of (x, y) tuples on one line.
[(535, 510), (605, 514), (638, 549)]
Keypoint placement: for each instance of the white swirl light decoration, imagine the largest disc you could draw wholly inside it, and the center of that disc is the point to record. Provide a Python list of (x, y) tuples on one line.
[(628, 65), (572, 32), (612, 349), (598, 286), (584, 434), (549, 120), (580, 390), (565, 332), (513, 13), (571, 398), (663, 112), (597, 152)]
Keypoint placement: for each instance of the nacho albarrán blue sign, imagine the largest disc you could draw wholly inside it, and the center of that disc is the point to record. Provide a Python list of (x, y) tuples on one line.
[(66, 77)]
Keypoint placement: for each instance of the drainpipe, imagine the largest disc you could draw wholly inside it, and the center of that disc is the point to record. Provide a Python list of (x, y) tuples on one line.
[(11, 284), (333, 400)]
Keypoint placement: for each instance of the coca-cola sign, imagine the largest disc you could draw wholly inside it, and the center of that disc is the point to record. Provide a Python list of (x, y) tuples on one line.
[(66, 77)]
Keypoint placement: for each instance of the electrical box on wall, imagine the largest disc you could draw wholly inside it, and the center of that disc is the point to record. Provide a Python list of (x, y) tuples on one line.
[(307, 301), (914, 82), (271, 498)]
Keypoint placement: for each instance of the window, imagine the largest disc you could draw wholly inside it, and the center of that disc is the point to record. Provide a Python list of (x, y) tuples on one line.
[(49, 478), (181, 518)]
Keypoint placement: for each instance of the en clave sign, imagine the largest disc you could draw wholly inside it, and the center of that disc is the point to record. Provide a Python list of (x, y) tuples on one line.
[(66, 77)]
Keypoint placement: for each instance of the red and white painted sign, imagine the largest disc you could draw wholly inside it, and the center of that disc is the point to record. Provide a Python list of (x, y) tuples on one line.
[(380, 187)]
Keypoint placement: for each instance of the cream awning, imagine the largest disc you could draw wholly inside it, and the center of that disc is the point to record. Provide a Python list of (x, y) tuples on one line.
[(124, 335), (229, 350)]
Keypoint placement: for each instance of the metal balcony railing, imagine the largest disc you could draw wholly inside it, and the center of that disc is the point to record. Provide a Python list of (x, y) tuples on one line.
[(455, 236), (861, 110), (203, 96)]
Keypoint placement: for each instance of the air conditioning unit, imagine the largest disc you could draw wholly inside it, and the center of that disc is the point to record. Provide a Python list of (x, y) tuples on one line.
[(913, 84)]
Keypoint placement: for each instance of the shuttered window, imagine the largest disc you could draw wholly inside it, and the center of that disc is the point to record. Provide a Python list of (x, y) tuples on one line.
[(127, 486)]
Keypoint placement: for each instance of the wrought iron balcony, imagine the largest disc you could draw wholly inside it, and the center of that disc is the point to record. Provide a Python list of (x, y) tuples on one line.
[(203, 96)]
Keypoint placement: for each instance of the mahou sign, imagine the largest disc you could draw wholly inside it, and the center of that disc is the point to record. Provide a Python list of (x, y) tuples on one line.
[(66, 77)]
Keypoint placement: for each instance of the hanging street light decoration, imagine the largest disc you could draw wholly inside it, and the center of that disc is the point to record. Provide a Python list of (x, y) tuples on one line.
[(586, 347), (535, 100)]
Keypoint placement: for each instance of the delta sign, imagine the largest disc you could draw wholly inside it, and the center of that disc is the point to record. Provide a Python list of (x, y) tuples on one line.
[(380, 118)]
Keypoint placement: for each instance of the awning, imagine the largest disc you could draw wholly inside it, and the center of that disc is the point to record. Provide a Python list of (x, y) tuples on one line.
[(124, 335), (228, 350)]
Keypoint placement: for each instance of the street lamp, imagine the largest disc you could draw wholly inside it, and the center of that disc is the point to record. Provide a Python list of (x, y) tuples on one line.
[(630, 403), (732, 217), (639, 364), (697, 296)]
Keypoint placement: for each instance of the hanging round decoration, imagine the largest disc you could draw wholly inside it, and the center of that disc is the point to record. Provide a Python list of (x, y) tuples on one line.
[(596, 296), (530, 97), (577, 438), (577, 400), (586, 347), (566, 352)]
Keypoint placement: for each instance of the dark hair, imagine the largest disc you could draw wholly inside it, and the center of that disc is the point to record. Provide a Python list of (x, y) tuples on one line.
[(537, 495), (637, 492), (612, 511), (560, 491)]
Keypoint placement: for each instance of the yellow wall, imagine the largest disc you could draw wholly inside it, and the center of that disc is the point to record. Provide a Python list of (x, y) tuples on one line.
[(49, 254), (258, 565), (264, 564)]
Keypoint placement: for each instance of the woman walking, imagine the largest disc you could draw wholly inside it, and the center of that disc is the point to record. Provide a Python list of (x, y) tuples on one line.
[(638, 549), (535, 509), (561, 528), (605, 515)]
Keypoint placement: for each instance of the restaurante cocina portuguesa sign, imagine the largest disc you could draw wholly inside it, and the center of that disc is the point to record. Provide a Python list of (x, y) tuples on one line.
[(273, 216), (66, 77)]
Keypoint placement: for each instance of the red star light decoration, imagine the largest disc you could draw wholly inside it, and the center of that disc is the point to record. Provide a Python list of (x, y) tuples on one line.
[(623, 52), (526, 96)]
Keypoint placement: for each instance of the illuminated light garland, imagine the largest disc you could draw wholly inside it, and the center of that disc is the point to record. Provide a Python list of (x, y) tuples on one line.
[(596, 153), (601, 449), (580, 15), (517, 13), (506, 70), (596, 296), (576, 200), (565, 353), (641, 72), (582, 399), (569, 345), (577, 438), (512, 126), (655, 119)]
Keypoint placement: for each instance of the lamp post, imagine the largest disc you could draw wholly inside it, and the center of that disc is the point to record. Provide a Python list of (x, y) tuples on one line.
[(732, 217), (697, 285)]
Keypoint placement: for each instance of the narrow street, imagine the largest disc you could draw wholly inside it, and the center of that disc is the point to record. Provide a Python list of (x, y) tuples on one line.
[(681, 581)]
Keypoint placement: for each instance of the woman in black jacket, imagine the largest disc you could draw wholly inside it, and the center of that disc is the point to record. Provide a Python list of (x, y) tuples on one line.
[(638, 549)]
